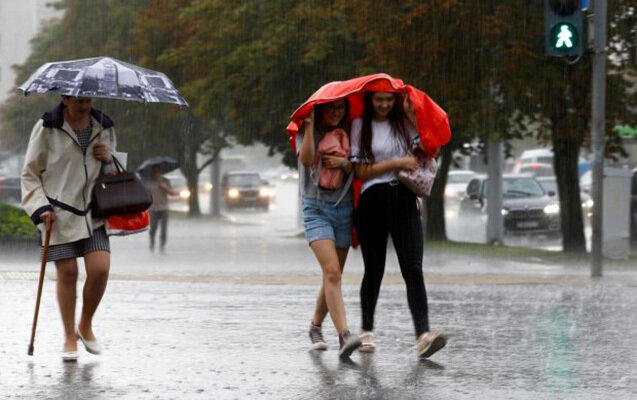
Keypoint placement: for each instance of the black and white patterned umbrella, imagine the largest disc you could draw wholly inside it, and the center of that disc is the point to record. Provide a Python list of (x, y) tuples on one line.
[(164, 163), (103, 77)]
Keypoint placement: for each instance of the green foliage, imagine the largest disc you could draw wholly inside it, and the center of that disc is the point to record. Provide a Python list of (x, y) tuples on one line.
[(15, 223)]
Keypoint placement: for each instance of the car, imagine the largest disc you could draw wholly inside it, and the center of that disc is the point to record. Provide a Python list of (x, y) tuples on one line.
[(549, 183), (526, 207), (457, 181), (246, 189), (534, 169), (179, 182), (10, 191), (544, 156)]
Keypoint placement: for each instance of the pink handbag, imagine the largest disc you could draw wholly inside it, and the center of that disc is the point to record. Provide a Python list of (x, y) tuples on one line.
[(333, 143), (421, 180)]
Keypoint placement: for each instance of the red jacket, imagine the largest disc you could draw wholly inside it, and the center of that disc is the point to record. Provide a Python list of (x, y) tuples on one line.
[(433, 123)]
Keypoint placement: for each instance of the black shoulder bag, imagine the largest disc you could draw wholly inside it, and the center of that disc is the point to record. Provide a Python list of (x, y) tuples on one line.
[(123, 193)]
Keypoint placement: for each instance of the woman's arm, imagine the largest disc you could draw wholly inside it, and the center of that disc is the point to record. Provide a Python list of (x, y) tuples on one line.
[(168, 189), (337, 162), (369, 171), (306, 154)]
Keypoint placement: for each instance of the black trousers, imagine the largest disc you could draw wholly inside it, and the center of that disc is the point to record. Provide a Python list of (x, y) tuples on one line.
[(390, 208), (158, 218)]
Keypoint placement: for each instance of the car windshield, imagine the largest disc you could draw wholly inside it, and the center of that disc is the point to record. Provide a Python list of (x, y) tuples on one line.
[(549, 185), (244, 180), (460, 178), (517, 187)]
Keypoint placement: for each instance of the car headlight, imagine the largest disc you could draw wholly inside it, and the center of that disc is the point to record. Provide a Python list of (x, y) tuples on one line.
[(264, 192), (450, 192), (233, 193), (505, 212), (271, 192), (208, 186), (588, 204), (184, 194), (552, 209)]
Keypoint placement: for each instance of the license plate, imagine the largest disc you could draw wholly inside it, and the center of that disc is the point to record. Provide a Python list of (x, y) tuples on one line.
[(528, 224)]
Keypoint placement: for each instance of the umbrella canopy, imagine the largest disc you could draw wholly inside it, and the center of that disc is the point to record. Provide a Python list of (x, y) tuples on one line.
[(103, 77), (165, 163), (433, 123)]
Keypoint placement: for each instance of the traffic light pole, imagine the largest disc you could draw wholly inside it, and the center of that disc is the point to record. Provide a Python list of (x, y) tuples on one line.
[(597, 130)]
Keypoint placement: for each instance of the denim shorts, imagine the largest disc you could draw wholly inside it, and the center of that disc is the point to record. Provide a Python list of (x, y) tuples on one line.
[(324, 220)]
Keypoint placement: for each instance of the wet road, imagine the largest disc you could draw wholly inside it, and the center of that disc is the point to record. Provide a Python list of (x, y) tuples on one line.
[(172, 340), (224, 315)]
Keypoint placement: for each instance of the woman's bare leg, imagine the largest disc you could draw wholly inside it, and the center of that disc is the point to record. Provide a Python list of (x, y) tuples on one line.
[(332, 298), (97, 267), (320, 312), (66, 294)]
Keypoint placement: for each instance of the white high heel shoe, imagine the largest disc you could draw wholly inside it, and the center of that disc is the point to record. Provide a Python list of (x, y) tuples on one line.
[(69, 356), (92, 346)]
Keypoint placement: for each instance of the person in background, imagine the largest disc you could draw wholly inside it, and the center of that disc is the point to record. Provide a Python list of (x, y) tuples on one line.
[(160, 188)]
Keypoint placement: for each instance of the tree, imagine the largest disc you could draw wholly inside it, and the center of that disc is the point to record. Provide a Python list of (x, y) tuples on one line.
[(439, 47)]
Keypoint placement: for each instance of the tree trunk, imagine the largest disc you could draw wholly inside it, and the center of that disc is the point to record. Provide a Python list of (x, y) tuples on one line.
[(435, 229), (565, 159), (193, 201)]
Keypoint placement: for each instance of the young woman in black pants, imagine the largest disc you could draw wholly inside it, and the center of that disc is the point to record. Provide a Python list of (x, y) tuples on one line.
[(381, 142)]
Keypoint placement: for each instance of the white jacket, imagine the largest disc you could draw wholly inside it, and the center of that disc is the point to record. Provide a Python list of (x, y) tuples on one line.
[(59, 177)]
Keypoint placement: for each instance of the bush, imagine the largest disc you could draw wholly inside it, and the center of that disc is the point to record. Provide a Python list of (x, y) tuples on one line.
[(15, 223)]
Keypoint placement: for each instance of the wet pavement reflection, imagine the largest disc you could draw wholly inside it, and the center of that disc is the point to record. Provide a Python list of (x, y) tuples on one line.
[(224, 315), (173, 340)]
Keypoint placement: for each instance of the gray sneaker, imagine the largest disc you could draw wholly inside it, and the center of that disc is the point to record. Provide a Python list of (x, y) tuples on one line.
[(316, 337), (349, 343)]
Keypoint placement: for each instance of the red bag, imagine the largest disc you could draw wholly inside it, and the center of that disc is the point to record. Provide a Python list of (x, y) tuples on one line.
[(333, 143), (127, 224)]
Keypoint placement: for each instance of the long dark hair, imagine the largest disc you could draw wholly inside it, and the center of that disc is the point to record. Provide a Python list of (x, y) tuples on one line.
[(396, 119), (318, 118)]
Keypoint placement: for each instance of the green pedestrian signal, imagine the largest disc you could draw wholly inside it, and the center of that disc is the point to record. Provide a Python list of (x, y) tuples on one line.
[(564, 37), (563, 28)]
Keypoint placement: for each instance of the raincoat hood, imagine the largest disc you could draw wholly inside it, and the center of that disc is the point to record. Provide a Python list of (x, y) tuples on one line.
[(433, 123)]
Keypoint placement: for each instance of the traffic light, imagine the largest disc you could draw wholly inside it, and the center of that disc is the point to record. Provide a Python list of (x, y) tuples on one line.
[(563, 28)]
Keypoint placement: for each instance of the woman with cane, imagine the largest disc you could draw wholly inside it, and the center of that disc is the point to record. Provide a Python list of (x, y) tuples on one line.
[(67, 150)]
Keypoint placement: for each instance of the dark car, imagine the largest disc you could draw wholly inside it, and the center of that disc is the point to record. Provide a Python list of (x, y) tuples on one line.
[(526, 207), (10, 191), (246, 189), (549, 183)]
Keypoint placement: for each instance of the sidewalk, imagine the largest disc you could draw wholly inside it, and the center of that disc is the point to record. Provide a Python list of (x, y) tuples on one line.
[(224, 315), (168, 339)]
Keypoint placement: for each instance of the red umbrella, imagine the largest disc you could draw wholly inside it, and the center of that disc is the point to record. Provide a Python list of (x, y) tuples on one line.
[(433, 124)]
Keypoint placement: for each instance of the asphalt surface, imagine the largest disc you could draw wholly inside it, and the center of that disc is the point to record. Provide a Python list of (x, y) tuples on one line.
[(224, 315)]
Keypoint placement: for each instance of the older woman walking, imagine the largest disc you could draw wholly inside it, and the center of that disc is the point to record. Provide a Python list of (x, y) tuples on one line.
[(67, 149)]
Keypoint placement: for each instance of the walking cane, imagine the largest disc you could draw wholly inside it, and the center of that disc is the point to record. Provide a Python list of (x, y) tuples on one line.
[(45, 250)]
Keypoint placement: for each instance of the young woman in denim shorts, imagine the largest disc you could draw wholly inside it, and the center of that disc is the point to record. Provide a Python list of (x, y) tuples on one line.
[(327, 216)]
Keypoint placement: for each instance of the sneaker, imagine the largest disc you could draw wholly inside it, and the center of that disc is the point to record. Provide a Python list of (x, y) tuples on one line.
[(316, 337), (349, 343), (429, 343), (368, 345)]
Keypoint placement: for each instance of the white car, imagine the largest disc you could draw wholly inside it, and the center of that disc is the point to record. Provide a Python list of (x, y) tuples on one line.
[(457, 181)]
